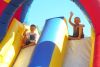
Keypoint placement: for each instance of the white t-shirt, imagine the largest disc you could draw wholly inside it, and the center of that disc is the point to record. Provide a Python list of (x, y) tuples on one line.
[(31, 36)]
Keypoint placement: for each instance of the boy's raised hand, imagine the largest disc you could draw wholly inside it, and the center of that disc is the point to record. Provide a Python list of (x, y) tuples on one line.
[(71, 13)]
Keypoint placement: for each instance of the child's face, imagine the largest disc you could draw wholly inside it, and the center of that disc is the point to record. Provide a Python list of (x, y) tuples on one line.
[(76, 20), (32, 28)]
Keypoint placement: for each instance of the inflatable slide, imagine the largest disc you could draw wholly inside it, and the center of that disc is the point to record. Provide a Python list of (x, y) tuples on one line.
[(78, 53), (48, 52), (53, 48)]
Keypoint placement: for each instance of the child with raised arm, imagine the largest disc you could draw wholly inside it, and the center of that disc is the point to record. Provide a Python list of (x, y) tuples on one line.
[(77, 28), (30, 37)]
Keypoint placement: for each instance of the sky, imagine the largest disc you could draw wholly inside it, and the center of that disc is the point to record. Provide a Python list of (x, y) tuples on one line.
[(41, 10)]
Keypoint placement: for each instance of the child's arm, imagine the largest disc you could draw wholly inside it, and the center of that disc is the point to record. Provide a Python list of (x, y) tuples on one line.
[(24, 37), (71, 14), (24, 34)]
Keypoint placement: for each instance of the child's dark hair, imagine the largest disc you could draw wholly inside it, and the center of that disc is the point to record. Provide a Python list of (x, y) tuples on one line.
[(77, 17), (33, 25)]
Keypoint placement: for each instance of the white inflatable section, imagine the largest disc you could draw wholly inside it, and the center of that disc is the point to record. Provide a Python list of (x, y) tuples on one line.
[(78, 53), (24, 57)]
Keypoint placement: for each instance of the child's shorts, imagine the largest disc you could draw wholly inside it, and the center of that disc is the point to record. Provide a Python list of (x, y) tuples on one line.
[(27, 42)]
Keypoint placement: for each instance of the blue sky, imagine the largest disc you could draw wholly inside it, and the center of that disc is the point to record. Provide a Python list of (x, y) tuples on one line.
[(41, 10)]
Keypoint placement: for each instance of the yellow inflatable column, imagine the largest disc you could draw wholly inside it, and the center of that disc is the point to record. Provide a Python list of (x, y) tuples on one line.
[(93, 43), (11, 44)]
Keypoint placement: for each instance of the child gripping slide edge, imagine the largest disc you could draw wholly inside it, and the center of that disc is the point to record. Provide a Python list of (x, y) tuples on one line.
[(29, 37)]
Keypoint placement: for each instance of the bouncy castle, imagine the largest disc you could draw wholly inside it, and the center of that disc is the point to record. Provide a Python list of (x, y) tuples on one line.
[(53, 49)]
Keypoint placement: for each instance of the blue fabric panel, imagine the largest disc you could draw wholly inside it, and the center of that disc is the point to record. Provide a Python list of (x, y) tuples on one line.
[(16, 3), (42, 54), (10, 9), (5, 18), (3, 27), (25, 9)]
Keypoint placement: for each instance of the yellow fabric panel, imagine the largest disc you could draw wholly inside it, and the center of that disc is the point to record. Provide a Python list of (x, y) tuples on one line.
[(58, 57), (11, 43), (93, 43), (7, 1), (17, 44), (8, 57), (9, 38)]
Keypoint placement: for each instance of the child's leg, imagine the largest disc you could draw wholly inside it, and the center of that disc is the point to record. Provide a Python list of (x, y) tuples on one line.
[(25, 46), (31, 44), (71, 37), (26, 43)]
